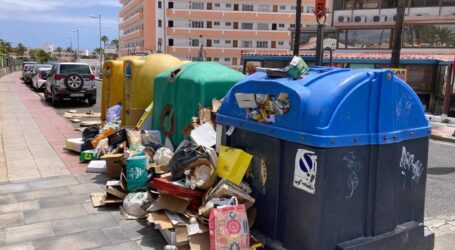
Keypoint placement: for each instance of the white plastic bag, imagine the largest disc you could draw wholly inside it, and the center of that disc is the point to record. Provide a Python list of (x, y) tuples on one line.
[(162, 156), (135, 204)]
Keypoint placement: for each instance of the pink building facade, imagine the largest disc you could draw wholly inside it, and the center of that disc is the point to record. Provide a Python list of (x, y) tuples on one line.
[(224, 28)]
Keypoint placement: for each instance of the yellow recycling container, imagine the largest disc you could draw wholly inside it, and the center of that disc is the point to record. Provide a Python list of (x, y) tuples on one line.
[(139, 75), (112, 84)]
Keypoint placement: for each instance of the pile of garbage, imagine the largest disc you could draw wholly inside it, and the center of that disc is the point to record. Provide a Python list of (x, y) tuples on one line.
[(194, 195)]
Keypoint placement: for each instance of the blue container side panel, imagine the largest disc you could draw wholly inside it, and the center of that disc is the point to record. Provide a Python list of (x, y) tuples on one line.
[(333, 107)]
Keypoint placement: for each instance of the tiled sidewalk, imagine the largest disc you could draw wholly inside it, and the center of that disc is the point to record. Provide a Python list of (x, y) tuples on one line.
[(56, 213), (25, 152)]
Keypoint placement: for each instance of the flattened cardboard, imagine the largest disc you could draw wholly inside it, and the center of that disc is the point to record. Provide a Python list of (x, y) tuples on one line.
[(160, 220), (170, 235), (168, 202), (116, 191), (200, 241), (123, 182), (102, 199)]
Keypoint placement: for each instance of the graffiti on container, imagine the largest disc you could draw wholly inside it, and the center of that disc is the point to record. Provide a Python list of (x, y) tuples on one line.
[(410, 168), (404, 106), (305, 170), (353, 166)]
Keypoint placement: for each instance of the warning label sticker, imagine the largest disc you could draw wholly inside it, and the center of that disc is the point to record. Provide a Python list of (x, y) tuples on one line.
[(306, 166)]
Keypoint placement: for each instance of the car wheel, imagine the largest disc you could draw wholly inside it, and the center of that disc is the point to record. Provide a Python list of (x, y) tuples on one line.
[(91, 102), (54, 100), (46, 97), (74, 82)]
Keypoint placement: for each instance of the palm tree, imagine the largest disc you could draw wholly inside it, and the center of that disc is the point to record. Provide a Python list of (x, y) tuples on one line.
[(59, 50), (116, 43), (104, 39), (20, 49), (98, 51), (69, 50)]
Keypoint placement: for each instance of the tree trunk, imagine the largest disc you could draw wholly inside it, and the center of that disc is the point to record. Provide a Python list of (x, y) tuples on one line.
[(399, 23), (298, 22)]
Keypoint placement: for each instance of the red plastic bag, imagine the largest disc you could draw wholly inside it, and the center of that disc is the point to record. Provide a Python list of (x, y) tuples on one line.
[(228, 227)]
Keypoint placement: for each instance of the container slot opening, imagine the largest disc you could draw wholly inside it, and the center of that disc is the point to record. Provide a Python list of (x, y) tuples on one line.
[(263, 107)]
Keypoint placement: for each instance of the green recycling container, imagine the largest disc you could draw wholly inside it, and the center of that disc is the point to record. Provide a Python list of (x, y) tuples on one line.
[(180, 92)]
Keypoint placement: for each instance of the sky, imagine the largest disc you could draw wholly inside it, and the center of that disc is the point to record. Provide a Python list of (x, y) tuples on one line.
[(35, 22)]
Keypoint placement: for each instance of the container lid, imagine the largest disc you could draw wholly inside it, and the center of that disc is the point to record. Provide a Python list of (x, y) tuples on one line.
[(328, 107)]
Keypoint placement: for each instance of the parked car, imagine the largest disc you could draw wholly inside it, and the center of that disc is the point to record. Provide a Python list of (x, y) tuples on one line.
[(40, 78), (70, 81), (28, 74), (25, 67), (32, 70)]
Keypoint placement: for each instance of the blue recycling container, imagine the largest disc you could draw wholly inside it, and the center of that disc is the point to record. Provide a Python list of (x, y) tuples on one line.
[(339, 158)]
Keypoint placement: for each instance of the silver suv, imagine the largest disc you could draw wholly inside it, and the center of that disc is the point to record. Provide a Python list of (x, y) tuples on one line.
[(70, 81)]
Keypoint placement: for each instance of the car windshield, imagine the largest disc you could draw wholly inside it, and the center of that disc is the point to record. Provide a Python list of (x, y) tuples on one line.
[(74, 68)]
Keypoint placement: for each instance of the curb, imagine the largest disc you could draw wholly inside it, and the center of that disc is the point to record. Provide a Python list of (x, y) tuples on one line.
[(442, 138)]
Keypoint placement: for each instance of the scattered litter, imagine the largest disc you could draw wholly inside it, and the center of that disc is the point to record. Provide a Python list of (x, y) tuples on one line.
[(103, 199), (74, 144), (97, 166)]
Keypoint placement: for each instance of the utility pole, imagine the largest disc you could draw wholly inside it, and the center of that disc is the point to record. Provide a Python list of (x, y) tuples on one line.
[(298, 23), (399, 23)]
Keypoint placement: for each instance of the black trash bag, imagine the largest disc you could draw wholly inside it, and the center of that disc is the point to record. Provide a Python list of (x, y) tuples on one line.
[(182, 159), (89, 133)]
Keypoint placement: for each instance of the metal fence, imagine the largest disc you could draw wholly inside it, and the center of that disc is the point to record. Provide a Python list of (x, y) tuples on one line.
[(8, 65)]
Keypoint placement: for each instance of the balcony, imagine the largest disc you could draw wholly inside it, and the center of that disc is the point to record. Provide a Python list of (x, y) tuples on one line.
[(219, 52), (238, 15), (132, 20), (260, 34), (133, 35), (129, 7)]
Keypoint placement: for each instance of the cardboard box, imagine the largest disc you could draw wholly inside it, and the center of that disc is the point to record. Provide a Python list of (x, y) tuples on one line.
[(74, 144), (88, 155), (114, 188), (102, 199), (97, 166), (114, 165)]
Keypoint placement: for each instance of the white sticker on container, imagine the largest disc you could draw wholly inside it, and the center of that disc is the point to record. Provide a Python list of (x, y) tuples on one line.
[(306, 165)]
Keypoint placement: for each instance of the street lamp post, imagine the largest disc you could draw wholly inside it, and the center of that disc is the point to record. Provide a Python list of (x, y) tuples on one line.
[(99, 19), (77, 53)]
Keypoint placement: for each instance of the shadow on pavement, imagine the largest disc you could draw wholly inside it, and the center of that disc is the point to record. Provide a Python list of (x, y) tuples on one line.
[(440, 171)]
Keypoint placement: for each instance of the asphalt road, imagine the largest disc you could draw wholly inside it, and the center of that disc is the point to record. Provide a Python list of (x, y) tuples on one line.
[(440, 194), (80, 106)]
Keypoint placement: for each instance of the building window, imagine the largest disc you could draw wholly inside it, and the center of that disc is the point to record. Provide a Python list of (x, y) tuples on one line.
[(292, 26), (195, 42), (247, 26), (216, 59), (170, 5), (282, 7), (293, 7), (429, 35), (309, 9), (197, 6), (228, 23), (263, 26), (159, 5), (209, 59), (197, 24), (217, 5), (447, 3), (160, 23), (281, 25), (228, 5), (227, 59), (216, 23), (247, 44), (281, 43), (170, 42), (262, 44), (365, 39), (227, 42), (216, 41), (264, 8), (247, 7), (170, 23)]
